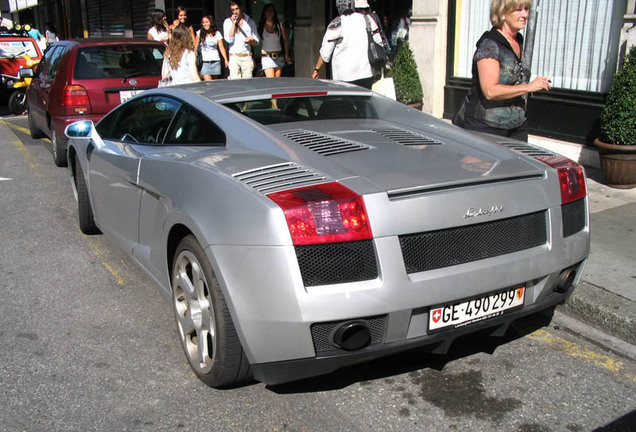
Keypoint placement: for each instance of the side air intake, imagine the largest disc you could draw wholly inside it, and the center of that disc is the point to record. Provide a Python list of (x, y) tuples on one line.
[(274, 178)]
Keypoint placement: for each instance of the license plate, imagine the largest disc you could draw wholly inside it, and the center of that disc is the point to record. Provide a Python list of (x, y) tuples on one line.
[(475, 310), (124, 95)]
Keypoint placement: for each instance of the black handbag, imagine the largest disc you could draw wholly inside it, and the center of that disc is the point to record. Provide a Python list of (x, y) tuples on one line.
[(199, 56), (459, 117), (378, 57)]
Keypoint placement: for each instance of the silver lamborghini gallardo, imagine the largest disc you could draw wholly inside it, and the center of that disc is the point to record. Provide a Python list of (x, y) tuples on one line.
[(299, 226)]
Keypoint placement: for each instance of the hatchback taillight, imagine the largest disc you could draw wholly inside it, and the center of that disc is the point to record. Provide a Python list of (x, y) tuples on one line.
[(75, 96), (571, 177), (326, 213)]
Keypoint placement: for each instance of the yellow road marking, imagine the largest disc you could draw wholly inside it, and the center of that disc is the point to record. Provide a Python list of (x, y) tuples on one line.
[(575, 350), (18, 128), (33, 163)]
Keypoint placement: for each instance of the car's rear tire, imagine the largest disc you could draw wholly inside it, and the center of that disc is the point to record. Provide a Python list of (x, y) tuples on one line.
[(207, 334), (59, 149), (33, 129), (84, 209)]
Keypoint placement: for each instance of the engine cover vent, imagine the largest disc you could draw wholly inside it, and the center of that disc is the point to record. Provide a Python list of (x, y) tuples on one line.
[(323, 144), (405, 137), (279, 177), (527, 149)]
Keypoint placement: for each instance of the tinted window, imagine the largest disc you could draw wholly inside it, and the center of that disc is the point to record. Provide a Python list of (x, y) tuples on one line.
[(40, 68), (306, 108), (143, 121), (190, 127), (54, 62), (118, 61)]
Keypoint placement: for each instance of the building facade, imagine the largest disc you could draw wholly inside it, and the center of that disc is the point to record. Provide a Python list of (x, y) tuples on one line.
[(577, 43)]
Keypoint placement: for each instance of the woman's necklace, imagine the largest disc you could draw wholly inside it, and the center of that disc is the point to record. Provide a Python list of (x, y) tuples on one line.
[(514, 44)]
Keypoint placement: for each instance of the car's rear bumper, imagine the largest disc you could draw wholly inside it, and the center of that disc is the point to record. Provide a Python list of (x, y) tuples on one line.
[(438, 343), (275, 313)]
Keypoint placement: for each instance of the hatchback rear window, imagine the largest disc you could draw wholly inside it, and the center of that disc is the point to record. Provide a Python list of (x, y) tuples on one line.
[(124, 61)]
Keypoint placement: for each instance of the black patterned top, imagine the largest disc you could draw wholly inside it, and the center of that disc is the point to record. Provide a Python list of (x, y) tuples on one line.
[(507, 113)]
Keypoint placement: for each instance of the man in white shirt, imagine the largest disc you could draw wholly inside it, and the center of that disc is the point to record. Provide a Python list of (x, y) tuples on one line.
[(240, 32), (346, 44)]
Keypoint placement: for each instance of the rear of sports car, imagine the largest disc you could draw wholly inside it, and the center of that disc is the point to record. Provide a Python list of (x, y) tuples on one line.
[(378, 264)]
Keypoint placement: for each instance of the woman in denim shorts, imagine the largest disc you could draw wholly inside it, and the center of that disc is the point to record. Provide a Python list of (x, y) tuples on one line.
[(275, 48), (212, 49)]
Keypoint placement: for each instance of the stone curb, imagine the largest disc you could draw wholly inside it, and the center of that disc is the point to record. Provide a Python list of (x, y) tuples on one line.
[(608, 312)]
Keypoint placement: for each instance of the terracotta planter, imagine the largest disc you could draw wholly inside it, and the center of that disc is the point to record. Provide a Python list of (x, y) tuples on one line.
[(416, 105), (618, 163)]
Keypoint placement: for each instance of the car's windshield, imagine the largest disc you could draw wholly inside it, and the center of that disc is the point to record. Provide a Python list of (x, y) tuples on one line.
[(124, 61), (17, 48), (306, 108)]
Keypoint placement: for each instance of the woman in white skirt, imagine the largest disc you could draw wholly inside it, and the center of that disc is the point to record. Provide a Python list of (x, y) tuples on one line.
[(275, 44)]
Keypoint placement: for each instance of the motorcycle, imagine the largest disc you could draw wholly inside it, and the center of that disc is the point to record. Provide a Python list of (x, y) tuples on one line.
[(18, 84)]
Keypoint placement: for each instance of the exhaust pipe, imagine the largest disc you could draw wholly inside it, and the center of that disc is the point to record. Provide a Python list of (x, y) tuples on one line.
[(565, 280), (352, 335)]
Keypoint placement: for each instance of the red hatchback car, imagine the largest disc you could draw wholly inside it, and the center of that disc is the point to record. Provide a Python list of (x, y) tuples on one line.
[(83, 79)]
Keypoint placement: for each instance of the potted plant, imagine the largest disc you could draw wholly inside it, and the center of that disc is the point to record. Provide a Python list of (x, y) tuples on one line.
[(617, 146), (408, 88)]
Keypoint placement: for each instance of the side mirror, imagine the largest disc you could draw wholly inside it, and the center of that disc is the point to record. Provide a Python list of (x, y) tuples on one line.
[(26, 72), (79, 129)]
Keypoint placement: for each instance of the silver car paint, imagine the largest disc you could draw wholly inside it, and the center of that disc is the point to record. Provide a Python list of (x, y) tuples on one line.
[(247, 240)]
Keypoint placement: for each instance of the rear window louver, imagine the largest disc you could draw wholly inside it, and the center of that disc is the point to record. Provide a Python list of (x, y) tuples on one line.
[(323, 144), (279, 177), (527, 149), (405, 137)]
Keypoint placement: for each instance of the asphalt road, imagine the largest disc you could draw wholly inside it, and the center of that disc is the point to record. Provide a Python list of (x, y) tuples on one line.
[(88, 344)]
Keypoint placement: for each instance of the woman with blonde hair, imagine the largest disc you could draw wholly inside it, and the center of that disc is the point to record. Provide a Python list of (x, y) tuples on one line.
[(179, 61), (501, 79)]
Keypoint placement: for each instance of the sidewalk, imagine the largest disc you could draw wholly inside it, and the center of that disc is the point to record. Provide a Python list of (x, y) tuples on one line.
[(605, 298)]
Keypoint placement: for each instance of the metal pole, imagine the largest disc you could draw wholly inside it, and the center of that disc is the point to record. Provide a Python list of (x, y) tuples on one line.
[(528, 45)]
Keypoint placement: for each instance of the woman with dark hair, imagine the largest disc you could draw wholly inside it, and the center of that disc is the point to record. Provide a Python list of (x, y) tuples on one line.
[(496, 102), (182, 18), (158, 29), (50, 34), (274, 43), (179, 59), (212, 49)]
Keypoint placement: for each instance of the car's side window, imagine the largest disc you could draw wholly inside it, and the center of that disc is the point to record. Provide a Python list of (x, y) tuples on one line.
[(143, 121), (46, 59), (190, 127), (54, 63)]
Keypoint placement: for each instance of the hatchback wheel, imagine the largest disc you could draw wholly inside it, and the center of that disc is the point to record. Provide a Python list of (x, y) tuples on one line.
[(59, 149), (207, 334), (33, 129)]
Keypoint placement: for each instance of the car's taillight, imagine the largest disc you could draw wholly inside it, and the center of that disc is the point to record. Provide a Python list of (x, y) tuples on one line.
[(571, 177), (326, 213), (75, 96)]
